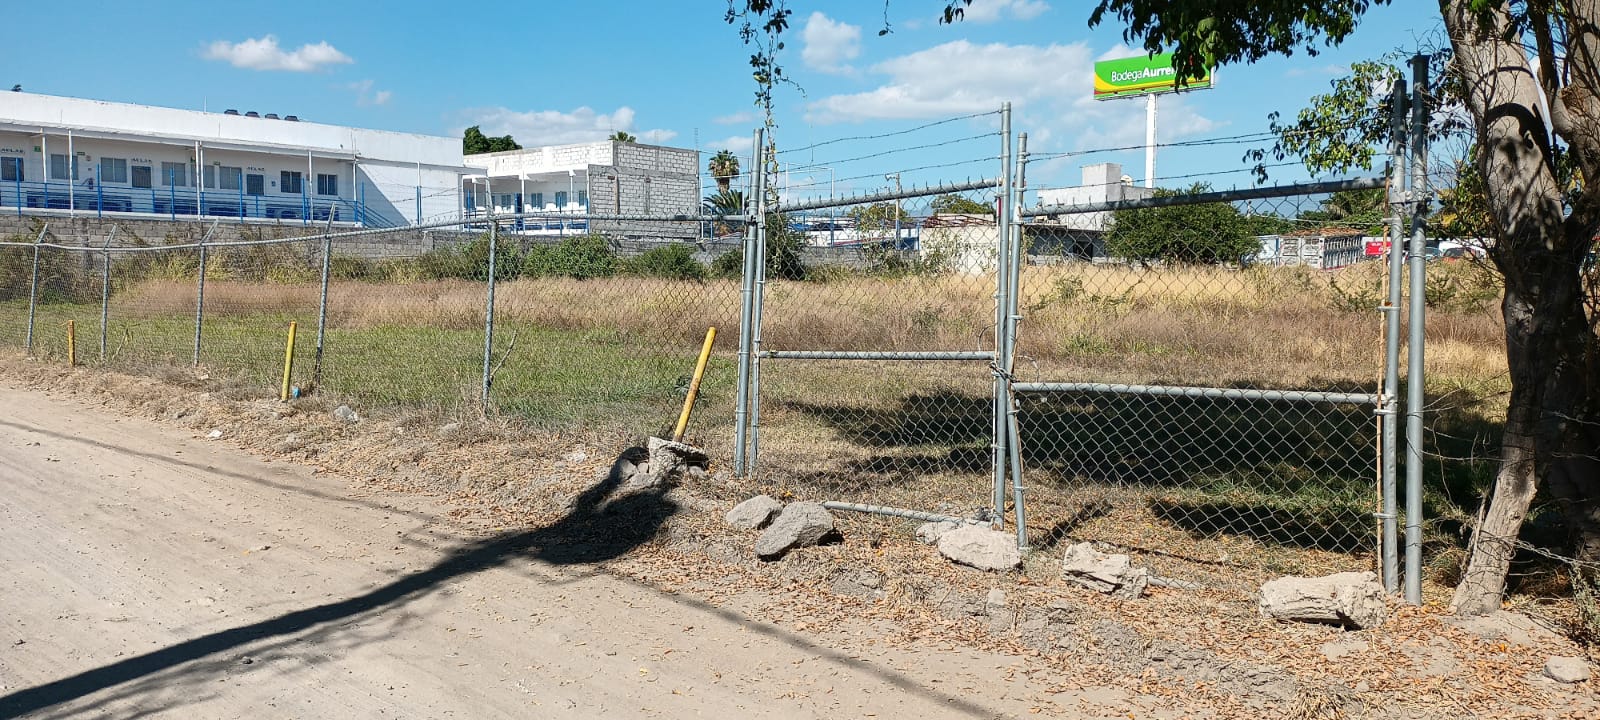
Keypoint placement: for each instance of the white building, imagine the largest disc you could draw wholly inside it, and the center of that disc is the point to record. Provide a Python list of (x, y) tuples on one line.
[(608, 177), (70, 155), (1081, 235)]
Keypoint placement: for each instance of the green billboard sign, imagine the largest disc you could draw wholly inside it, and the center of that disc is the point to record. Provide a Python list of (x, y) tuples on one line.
[(1142, 75)]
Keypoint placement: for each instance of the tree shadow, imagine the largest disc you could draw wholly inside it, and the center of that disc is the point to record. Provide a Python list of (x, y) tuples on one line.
[(598, 528)]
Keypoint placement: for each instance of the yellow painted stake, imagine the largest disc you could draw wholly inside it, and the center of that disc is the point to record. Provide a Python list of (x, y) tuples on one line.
[(694, 386), (72, 343), (288, 365)]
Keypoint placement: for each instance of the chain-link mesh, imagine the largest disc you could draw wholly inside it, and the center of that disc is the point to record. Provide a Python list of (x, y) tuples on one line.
[(1156, 326)]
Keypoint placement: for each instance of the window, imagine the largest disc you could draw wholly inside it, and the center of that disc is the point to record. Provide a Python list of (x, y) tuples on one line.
[(208, 175), (11, 169), (59, 165), (255, 184), (228, 178), (113, 170), (175, 174), (141, 176), (505, 201), (561, 199), (536, 201), (583, 198), (327, 184), (291, 182)]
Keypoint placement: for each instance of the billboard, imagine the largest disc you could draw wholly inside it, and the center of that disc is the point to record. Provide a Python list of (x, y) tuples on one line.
[(1141, 75)]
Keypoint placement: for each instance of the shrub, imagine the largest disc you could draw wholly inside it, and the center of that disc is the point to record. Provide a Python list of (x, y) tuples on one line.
[(351, 267), (673, 262), (729, 265), (580, 258)]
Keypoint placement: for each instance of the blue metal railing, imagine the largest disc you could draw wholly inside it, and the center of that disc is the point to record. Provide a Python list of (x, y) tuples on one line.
[(175, 202)]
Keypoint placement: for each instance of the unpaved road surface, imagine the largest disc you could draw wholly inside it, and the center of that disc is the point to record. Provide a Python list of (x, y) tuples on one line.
[(145, 572)]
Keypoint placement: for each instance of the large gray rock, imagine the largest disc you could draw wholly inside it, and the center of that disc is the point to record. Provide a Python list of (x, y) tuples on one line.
[(1111, 574), (1568, 670), (928, 533), (344, 414), (800, 524), (754, 513), (981, 548), (1352, 599)]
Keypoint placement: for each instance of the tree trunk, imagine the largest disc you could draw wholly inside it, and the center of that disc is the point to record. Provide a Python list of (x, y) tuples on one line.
[(1550, 345)]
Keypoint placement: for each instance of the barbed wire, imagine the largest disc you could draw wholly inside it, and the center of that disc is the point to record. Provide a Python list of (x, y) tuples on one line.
[(895, 133)]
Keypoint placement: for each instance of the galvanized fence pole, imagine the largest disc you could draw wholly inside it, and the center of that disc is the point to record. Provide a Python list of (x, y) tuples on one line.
[(1389, 403), (105, 290), (762, 206), (322, 309), (33, 286), (1001, 320), (1414, 349), (1013, 270), (488, 317), (746, 325), (200, 294)]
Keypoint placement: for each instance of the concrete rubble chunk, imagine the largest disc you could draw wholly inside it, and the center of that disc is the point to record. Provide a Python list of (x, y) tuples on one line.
[(664, 463), (798, 525), (753, 514), (1114, 575), (344, 414), (1569, 670), (980, 547), (1353, 600), (928, 533)]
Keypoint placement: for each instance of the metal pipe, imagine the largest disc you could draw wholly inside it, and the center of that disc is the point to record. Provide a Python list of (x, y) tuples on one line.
[(762, 208), (1002, 308), (33, 285), (1199, 392), (322, 310), (288, 364), (1415, 381), (886, 196), (1297, 189), (746, 326), (488, 316), (105, 290), (694, 385), (1013, 270), (895, 512), (72, 176), (1389, 420), (200, 294), (869, 355)]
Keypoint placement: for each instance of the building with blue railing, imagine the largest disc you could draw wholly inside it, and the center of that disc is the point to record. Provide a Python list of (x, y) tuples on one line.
[(61, 155)]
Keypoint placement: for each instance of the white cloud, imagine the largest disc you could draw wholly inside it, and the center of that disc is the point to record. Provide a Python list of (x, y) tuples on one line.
[(553, 127), (984, 11), (830, 45), (263, 53), (1330, 70), (365, 95), (382, 97), (738, 144), (743, 117)]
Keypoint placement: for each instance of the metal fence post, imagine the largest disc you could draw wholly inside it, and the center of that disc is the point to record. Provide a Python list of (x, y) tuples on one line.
[(488, 318), (200, 294), (757, 309), (105, 290), (1414, 347), (1389, 402), (746, 324), (1013, 317), (322, 307), (33, 285), (1002, 320)]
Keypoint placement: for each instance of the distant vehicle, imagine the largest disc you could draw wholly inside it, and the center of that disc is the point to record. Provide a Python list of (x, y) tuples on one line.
[(1431, 254)]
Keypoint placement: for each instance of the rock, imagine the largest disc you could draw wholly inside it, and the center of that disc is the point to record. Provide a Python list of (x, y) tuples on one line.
[(929, 533), (980, 547), (996, 598), (576, 457), (800, 524), (753, 514), (1567, 670), (1101, 572), (664, 463), (344, 414), (214, 434), (1353, 599)]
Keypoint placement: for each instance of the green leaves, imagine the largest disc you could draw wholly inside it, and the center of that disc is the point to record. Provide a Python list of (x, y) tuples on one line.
[(1201, 234)]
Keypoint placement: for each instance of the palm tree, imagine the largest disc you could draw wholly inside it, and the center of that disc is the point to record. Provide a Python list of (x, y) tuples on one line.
[(724, 166), (623, 136), (725, 204)]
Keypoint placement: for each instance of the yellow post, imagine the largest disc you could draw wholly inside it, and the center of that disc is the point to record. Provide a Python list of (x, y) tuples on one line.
[(72, 343), (694, 385), (288, 365)]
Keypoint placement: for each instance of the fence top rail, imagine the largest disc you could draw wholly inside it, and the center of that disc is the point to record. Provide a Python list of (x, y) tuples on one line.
[(888, 195), (1276, 191), (1200, 392)]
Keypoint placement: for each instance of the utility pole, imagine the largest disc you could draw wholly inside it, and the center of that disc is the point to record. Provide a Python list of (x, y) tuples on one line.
[(896, 178)]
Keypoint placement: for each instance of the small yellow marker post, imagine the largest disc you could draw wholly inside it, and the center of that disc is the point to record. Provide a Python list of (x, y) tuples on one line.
[(288, 365), (72, 343), (694, 385)]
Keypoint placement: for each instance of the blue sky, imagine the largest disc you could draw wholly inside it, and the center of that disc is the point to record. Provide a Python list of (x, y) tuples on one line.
[(674, 73)]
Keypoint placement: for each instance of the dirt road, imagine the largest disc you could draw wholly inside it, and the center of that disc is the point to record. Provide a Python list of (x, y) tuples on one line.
[(148, 573)]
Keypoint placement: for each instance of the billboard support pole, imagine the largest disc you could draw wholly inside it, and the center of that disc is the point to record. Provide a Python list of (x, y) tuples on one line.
[(1150, 141)]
